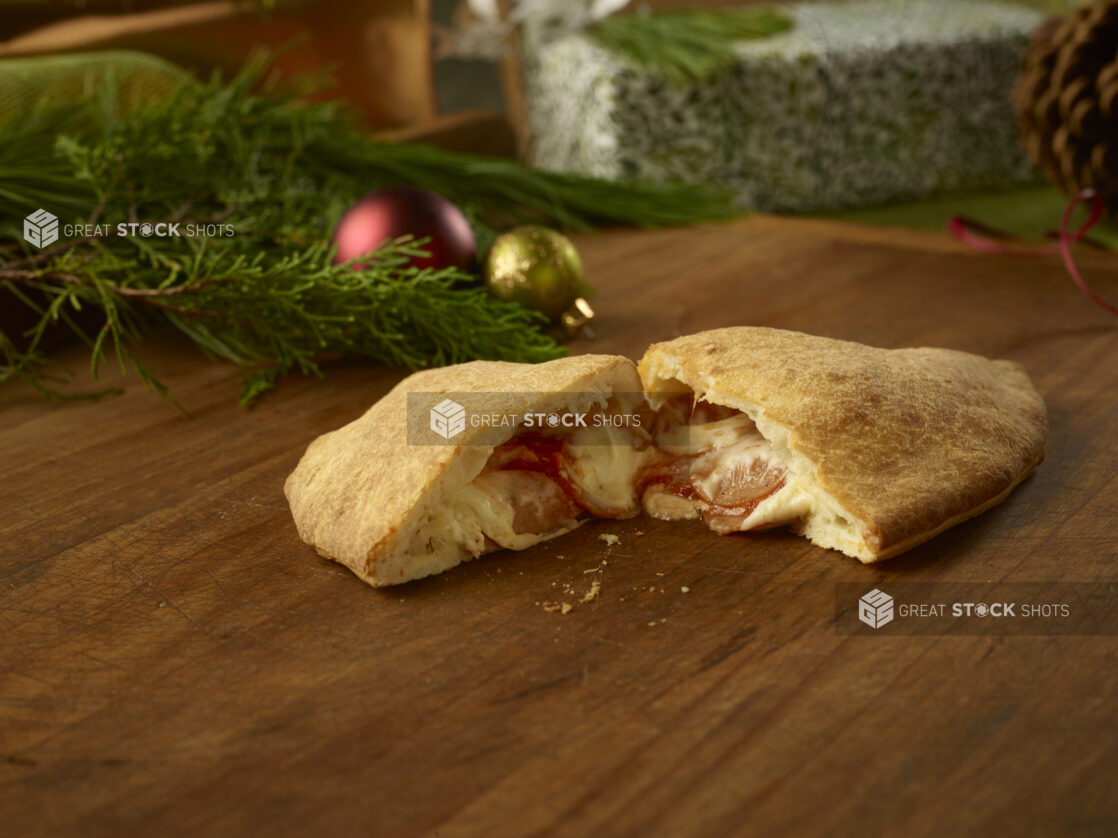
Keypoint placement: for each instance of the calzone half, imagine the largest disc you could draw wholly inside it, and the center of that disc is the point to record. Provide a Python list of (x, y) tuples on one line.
[(394, 501), (863, 450)]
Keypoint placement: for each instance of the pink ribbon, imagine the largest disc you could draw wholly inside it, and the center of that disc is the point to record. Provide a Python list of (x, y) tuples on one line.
[(986, 239)]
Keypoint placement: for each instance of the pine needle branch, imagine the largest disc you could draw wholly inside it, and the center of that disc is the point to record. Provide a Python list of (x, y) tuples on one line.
[(264, 178), (687, 46)]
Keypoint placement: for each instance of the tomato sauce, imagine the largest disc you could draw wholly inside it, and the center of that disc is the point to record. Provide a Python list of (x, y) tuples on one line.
[(533, 451), (547, 454)]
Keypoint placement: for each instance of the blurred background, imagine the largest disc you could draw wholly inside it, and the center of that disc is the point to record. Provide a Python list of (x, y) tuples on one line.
[(904, 113), (383, 53)]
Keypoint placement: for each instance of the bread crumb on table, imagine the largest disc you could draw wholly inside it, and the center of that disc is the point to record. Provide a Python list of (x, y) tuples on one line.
[(685, 590), (568, 589), (592, 594), (609, 538)]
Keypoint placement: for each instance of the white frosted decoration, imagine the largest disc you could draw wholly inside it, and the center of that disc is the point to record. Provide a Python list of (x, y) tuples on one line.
[(485, 9), (604, 8), (858, 103)]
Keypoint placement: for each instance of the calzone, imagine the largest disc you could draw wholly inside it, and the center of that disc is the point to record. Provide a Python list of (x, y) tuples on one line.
[(862, 450)]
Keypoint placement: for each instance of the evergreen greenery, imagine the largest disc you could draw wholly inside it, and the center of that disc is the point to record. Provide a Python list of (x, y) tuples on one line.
[(280, 172), (687, 46)]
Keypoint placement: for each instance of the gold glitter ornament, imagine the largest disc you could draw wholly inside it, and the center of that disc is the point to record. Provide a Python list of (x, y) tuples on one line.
[(540, 269)]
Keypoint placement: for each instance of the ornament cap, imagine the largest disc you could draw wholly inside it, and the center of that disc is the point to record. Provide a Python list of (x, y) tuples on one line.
[(578, 315)]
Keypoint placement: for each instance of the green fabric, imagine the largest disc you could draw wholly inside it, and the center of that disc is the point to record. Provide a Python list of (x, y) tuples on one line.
[(1028, 213), (29, 85)]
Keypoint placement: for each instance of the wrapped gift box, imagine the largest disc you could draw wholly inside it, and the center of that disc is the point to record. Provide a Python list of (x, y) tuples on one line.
[(857, 103)]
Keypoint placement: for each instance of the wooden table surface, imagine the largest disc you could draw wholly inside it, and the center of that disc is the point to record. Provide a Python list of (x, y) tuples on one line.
[(175, 661)]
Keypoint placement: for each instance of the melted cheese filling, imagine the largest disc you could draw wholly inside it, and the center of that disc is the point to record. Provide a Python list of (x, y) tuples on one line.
[(603, 464), (738, 481), (727, 473), (538, 487), (509, 509)]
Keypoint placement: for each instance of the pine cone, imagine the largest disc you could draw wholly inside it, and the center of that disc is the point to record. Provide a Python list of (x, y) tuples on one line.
[(1066, 99)]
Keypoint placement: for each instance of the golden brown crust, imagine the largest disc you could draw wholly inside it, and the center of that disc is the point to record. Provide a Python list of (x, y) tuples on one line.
[(907, 441), (904, 443), (356, 490)]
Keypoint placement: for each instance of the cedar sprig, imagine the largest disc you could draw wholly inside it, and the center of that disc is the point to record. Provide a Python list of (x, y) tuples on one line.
[(272, 316), (686, 46), (280, 171)]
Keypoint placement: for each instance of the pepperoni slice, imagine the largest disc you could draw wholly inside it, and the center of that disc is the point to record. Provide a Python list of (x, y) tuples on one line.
[(546, 508)]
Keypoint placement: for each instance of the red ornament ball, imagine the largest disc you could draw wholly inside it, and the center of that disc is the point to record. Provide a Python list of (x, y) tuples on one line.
[(400, 211)]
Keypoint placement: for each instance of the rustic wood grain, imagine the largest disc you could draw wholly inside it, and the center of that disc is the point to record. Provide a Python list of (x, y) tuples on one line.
[(176, 662)]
